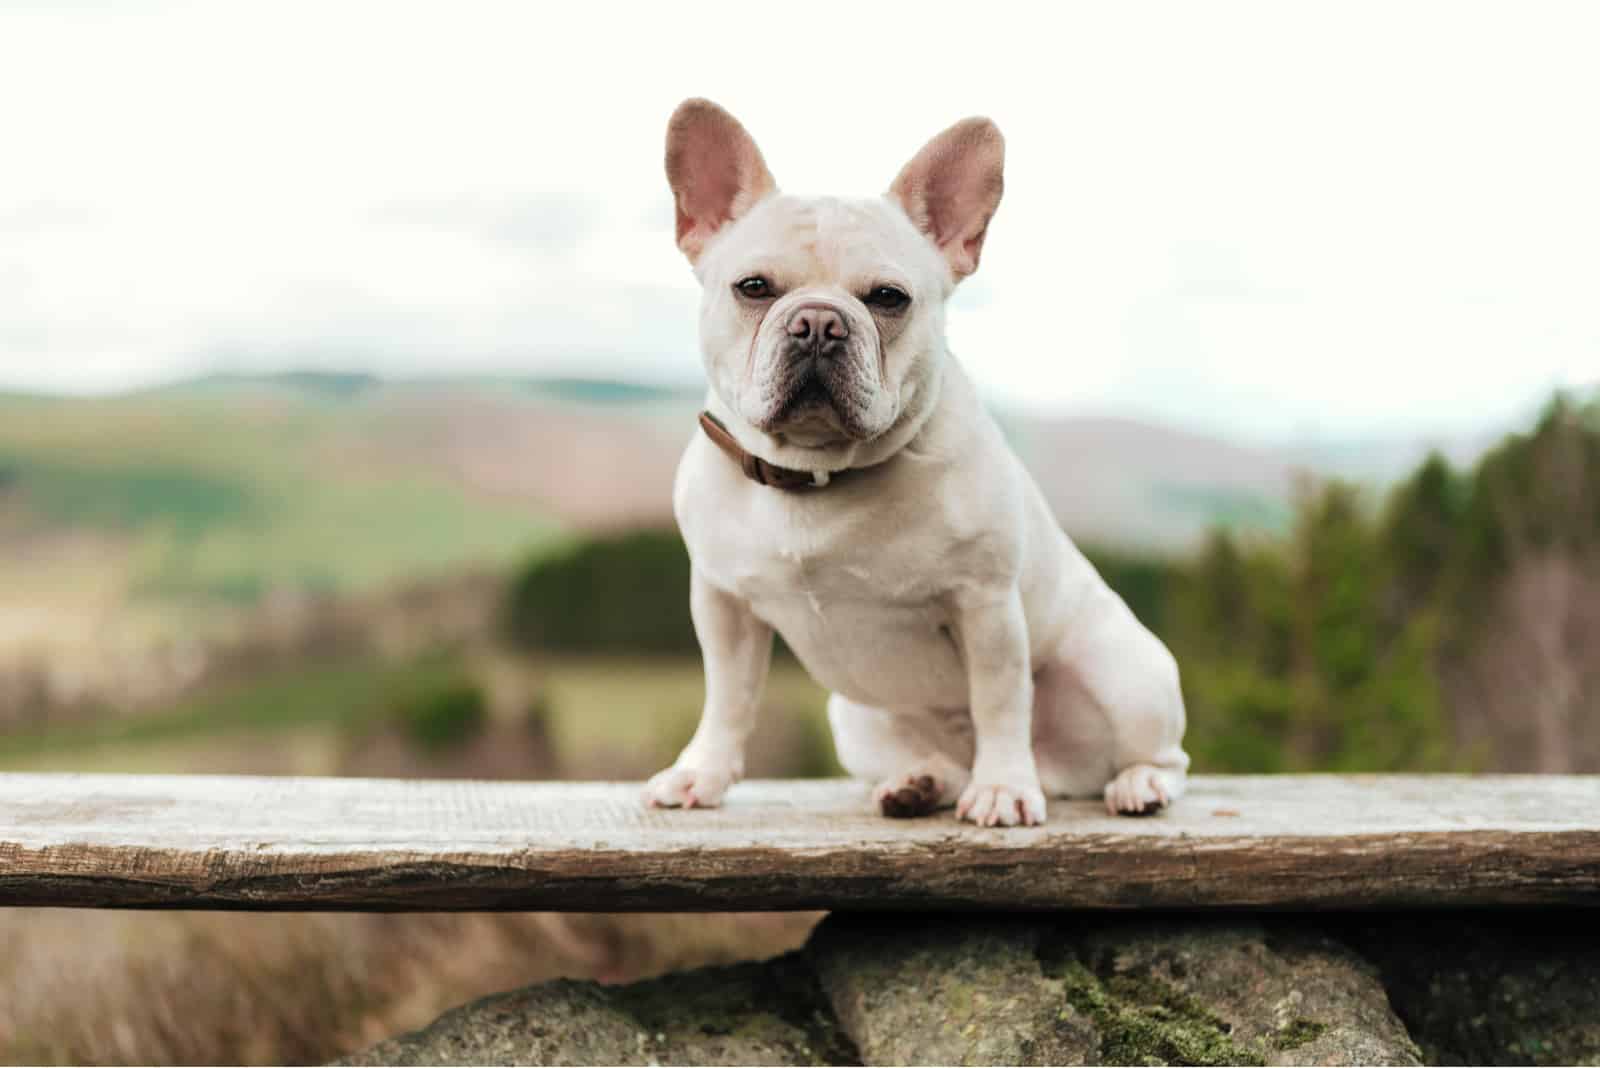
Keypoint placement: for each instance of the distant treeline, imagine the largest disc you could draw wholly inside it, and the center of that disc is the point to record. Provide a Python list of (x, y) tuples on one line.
[(1453, 625)]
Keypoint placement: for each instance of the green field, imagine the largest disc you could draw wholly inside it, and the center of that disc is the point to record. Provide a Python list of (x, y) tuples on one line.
[(330, 696), (597, 717), (279, 488)]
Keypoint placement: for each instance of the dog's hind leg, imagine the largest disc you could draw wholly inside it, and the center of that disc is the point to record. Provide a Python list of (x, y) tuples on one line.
[(919, 760), (1109, 718), (1141, 789)]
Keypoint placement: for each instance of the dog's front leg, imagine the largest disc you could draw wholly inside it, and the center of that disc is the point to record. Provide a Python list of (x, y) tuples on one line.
[(736, 649), (994, 643)]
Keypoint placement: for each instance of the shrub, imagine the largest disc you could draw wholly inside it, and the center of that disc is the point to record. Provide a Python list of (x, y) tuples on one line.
[(442, 713), (623, 593)]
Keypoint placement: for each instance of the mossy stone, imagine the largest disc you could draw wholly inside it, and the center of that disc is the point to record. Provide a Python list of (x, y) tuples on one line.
[(769, 1013)]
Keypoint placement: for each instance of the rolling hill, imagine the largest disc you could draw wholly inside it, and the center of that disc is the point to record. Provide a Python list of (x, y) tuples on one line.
[(136, 528), (230, 487)]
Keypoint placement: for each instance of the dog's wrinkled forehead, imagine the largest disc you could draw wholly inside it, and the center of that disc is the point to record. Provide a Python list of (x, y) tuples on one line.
[(800, 242)]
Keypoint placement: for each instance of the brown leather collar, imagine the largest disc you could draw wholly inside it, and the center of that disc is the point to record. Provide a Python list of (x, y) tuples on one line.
[(754, 467)]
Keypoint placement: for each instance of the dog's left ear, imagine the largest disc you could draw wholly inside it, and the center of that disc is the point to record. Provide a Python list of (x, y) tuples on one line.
[(715, 170), (952, 188)]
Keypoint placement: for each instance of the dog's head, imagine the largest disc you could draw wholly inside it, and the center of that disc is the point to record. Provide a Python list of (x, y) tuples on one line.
[(822, 320)]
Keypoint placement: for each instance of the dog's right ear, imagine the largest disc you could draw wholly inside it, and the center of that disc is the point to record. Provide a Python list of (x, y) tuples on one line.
[(715, 170)]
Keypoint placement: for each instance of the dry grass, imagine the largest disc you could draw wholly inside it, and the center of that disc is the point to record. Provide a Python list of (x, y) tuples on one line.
[(216, 988)]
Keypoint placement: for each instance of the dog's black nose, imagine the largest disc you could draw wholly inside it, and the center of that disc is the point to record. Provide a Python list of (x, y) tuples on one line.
[(817, 324)]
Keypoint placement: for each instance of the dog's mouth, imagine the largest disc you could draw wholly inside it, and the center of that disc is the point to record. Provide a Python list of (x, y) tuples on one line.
[(815, 404), (810, 391)]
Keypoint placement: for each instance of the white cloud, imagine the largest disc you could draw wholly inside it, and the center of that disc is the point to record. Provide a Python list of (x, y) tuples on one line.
[(1261, 218)]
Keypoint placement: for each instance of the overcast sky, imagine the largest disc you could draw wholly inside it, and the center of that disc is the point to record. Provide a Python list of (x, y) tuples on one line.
[(1273, 219)]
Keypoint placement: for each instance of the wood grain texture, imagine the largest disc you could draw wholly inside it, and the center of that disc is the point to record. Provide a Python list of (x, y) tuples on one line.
[(224, 842)]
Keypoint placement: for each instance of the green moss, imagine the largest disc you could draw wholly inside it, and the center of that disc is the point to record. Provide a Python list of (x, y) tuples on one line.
[(711, 1002), (1299, 1031), (775, 1005), (1143, 1020)]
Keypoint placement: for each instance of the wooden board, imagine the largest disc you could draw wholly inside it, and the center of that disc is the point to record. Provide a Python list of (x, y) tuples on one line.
[(222, 842)]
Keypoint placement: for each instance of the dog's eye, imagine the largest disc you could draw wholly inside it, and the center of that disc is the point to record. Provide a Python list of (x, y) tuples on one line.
[(755, 287), (888, 298)]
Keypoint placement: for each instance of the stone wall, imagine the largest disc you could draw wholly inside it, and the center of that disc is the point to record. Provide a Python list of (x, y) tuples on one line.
[(1083, 988)]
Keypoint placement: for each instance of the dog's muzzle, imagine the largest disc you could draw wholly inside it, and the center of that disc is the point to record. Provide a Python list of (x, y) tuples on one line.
[(817, 330)]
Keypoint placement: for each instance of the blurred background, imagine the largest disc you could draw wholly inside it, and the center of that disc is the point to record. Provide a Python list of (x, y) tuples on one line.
[(345, 359)]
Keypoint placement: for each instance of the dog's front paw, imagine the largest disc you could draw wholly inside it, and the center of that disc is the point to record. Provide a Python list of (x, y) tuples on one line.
[(1000, 805), (689, 786), (1138, 790)]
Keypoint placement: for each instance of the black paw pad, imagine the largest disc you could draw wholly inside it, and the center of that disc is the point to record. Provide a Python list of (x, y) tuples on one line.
[(1150, 809), (918, 797)]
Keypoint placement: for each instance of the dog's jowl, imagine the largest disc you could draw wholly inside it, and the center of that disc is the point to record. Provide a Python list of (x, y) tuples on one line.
[(848, 490)]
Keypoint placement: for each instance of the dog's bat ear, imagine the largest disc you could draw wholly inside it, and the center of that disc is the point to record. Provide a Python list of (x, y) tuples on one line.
[(715, 170), (952, 187)]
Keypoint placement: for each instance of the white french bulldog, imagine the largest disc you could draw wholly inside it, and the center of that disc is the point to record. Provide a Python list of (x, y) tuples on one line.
[(851, 493)]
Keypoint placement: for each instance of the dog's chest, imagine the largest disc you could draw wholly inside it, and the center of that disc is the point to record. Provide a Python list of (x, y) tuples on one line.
[(867, 616)]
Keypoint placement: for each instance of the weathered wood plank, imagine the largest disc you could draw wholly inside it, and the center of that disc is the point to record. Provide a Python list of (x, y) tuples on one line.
[(1234, 842)]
